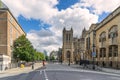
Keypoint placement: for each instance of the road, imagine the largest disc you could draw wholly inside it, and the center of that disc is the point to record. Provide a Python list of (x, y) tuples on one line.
[(62, 72)]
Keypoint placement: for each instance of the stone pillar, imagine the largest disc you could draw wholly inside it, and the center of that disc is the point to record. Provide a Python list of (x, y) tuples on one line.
[(98, 56), (107, 56)]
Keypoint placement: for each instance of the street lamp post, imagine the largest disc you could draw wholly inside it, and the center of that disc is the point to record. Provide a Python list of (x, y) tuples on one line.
[(93, 52)]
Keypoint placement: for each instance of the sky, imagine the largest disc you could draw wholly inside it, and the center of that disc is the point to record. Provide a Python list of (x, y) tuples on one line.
[(44, 20)]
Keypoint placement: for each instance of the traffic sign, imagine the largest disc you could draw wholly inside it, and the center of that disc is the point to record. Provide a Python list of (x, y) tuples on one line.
[(93, 54)]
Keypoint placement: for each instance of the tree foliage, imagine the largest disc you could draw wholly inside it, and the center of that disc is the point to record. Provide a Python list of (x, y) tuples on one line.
[(24, 51), (47, 58), (52, 58), (38, 56)]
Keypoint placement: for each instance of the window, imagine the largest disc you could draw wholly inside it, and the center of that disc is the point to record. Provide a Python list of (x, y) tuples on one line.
[(115, 51), (102, 37), (69, 37), (100, 52), (88, 43), (66, 37), (110, 51), (104, 52), (113, 32)]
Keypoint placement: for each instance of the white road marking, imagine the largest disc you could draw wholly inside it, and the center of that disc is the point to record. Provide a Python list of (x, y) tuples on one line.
[(40, 72), (46, 78), (76, 70)]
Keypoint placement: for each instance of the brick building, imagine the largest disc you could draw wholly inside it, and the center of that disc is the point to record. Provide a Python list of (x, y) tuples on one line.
[(10, 30)]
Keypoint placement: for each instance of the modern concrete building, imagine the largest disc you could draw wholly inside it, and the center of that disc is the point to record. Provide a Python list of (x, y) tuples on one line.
[(10, 30)]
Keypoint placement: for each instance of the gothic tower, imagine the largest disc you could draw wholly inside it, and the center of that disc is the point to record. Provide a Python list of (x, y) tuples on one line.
[(67, 49)]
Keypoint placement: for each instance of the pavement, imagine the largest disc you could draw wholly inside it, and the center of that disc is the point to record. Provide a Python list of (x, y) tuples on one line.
[(97, 68), (17, 71), (111, 70)]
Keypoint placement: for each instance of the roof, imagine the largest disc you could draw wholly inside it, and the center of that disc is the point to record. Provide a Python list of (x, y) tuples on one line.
[(2, 5), (112, 15)]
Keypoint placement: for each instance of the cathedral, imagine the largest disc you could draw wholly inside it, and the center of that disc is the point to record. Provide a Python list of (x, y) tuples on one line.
[(100, 44), (72, 46)]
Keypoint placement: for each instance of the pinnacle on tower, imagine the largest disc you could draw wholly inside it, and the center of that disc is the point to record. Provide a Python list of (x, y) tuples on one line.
[(64, 29)]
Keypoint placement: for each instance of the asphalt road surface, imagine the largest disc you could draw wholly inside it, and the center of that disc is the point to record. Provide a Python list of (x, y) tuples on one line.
[(63, 72)]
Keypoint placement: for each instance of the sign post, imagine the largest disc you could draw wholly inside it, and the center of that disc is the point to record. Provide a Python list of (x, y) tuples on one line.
[(93, 54)]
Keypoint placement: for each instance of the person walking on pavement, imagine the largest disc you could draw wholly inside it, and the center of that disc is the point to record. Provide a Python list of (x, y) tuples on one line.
[(43, 62), (32, 65)]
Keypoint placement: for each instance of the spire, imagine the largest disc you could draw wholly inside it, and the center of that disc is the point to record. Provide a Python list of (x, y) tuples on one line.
[(84, 29), (2, 5), (64, 29), (71, 29)]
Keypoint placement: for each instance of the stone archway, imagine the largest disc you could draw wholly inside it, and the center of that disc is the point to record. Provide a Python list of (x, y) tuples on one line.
[(68, 56)]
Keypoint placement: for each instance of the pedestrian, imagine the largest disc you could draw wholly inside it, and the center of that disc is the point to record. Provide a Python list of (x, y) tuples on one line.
[(43, 62), (33, 66)]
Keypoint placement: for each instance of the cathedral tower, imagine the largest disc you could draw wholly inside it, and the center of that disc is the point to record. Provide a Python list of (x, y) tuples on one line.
[(67, 50)]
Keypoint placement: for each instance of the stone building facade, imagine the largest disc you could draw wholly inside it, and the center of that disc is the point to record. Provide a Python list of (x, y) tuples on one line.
[(9, 31), (103, 40), (67, 49), (108, 40), (73, 47), (90, 43), (101, 43)]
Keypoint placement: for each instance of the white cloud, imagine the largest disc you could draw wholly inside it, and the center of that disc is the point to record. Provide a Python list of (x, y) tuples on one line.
[(101, 6), (77, 16), (37, 9), (47, 42)]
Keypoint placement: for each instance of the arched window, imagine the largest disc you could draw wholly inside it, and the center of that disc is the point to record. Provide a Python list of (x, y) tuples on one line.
[(102, 37), (113, 32)]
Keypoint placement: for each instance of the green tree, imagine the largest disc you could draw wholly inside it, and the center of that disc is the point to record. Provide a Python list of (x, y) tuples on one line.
[(22, 49), (52, 58), (38, 56), (47, 58)]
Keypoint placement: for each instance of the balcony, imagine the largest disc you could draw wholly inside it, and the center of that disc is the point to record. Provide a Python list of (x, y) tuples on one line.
[(113, 41)]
